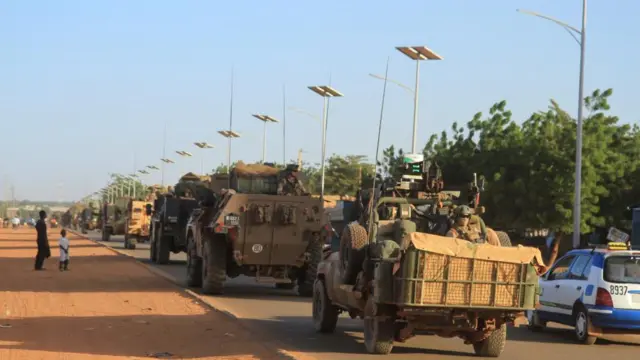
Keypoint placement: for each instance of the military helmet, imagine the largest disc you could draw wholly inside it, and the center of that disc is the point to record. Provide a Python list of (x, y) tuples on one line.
[(463, 210)]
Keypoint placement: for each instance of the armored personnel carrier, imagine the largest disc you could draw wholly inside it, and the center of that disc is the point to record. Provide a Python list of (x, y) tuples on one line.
[(170, 214), (254, 227), (394, 269)]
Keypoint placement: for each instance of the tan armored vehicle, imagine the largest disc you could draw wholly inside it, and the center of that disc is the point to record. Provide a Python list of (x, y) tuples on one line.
[(395, 270), (137, 223), (256, 228)]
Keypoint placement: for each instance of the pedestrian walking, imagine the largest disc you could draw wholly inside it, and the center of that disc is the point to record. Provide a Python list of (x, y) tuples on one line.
[(44, 252), (63, 244)]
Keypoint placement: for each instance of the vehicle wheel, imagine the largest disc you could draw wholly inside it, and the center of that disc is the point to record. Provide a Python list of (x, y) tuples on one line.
[(535, 324), (214, 266), (352, 243), (162, 248), (152, 251), (493, 345), (105, 236), (325, 314), (306, 283), (285, 286), (194, 265), (582, 323), (378, 334), (505, 240), (126, 240)]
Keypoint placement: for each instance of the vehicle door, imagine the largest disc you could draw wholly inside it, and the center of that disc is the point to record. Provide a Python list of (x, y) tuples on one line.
[(573, 287), (550, 305)]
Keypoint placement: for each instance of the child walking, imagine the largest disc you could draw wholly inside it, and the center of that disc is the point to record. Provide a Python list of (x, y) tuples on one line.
[(63, 243)]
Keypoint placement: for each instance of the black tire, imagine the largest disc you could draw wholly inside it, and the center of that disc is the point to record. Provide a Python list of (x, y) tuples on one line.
[(582, 324), (214, 266), (493, 345), (505, 240), (325, 314), (126, 240), (378, 334), (163, 253), (153, 256), (308, 279), (352, 243), (194, 265), (285, 286), (105, 236), (535, 324)]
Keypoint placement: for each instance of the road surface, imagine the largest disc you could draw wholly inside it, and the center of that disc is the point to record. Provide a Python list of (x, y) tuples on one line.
[(109, 307), (283, 314)]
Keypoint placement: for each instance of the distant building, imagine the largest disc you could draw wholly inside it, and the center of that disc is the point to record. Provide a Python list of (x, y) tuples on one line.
[(58, 209), (12, 212)]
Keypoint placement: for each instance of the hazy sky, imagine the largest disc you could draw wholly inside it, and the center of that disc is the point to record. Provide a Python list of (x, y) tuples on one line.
[(86, 87)]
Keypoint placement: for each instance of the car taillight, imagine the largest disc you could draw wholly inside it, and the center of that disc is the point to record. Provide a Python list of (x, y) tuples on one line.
[(603, 298)]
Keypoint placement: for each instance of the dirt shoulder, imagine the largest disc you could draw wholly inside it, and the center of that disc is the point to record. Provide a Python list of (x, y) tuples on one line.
[(107, 306)]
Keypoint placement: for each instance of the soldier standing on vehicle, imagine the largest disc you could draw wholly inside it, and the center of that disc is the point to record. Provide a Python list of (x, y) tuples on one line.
[(461, 228), (290, 185)]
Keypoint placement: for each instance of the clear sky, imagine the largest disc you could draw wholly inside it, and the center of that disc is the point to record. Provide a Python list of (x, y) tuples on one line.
[(86, 87)]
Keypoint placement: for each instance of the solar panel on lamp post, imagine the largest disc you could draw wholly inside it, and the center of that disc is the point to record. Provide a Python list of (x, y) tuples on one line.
[(326, 92), (202, 145), (265, 119), (417, 53)]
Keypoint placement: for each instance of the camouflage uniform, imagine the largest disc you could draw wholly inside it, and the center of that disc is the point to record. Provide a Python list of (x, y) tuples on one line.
[(290, 185), (461, 228)]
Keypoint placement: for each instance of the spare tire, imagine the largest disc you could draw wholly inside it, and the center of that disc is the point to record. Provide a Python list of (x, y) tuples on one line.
[(353, 241)]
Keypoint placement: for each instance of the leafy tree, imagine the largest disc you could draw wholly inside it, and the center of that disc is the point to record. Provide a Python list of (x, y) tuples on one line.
[(346, 175)]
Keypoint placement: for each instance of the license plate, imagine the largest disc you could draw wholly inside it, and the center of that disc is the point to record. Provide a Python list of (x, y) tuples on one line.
[(232, 220), (635, 298)]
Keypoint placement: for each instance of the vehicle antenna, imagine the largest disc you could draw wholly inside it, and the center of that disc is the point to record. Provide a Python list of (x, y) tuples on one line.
[(375, 169)]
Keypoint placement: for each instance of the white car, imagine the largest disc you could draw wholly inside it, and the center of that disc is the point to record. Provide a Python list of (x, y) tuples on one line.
[(597, 291)]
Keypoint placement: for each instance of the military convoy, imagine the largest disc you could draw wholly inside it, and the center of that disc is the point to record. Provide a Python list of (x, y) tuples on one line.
[(253, 226), (395, 269)]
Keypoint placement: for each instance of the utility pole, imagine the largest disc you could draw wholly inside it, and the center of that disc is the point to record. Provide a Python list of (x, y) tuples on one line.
[(300, 159)]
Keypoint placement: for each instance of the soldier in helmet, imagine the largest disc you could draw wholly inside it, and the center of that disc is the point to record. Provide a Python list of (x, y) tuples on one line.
[(290, 185), (462, 229)]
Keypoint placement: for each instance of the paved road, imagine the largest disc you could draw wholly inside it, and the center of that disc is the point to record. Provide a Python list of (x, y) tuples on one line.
[(284, 314)]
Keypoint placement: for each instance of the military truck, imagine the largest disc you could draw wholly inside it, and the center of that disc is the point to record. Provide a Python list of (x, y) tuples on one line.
[(170, 215), (395, 270), (113, 218), (137, 223), (248, 229)]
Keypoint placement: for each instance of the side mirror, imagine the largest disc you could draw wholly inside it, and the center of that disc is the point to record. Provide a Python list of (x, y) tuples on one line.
[(149, 210)]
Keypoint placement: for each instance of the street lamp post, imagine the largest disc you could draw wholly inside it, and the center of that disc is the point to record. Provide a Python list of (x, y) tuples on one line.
[(577, 200), (326, 92), (133, 178), (417, 53), (265, 119), (229, 134), (202, 145), (380, 77)]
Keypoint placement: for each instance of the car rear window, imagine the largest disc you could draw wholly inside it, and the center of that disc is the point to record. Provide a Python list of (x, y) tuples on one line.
[(622, 269)]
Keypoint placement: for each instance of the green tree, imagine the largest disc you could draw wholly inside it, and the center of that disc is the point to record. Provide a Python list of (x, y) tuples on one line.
[(344, 175)]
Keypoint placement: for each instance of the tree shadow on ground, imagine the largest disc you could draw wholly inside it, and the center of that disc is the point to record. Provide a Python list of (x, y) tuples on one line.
[(559, 335), (192, 336), (298, 334), (96, 273)]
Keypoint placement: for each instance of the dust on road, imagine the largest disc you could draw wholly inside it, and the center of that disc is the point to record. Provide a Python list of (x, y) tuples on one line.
[(107, 307)]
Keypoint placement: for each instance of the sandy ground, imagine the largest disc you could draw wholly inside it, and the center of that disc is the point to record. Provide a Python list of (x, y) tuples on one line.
[(107, 306)]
